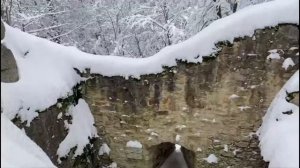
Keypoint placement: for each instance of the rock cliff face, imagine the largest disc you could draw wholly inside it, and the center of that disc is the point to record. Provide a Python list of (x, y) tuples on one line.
[(208, 108), (9, 70)]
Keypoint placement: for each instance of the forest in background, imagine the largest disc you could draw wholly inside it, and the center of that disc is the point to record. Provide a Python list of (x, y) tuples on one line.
[(131, 28)]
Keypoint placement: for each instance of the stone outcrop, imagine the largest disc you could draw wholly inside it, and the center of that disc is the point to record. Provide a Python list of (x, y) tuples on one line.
[(209, 108), (9, 69)]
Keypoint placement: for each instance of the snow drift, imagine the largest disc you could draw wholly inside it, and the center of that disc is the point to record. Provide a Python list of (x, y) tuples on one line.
[(279, 133)]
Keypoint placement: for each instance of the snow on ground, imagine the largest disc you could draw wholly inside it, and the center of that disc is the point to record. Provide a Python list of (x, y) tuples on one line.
[(18, 150), (134, 144), (288, 62), (211, 159), (81, 129), (46, 68), (279, 133), (104, 149)]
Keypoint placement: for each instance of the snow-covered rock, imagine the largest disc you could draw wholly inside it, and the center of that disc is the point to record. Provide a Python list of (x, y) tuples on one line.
[(211, 159), (134, 144), (104, 149), (287, 63), (47, 72), (279, 133), (273, 54), (18, 150), (81, 129), (233, 96), (225, 148)]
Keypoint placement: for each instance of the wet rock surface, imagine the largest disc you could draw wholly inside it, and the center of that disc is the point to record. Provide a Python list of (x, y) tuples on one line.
[(208, 108)]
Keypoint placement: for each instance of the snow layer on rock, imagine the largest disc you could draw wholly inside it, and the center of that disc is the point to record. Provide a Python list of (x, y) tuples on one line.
[(211, 159), (104, 149), (273, 54), (134, 144), (293, 48), (18, 150), (288, 62), (177, 138), (225, 148), (46, 68), (80, 131), (113, 165), (233, 96), (279, 133)]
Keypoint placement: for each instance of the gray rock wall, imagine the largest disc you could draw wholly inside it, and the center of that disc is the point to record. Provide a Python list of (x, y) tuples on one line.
[(9, 69)]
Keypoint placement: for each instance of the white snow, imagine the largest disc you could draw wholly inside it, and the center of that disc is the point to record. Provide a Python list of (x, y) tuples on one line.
[(177, 148), (233, 96), (242, 108), (253, 86), (149, 130), (66, 124), (59, 115), (252, 55), (59, 105), (104, 149), (112, 165), (225, 148), (154, 134), (46, 73), (134, 144), (180, 127), (216, 141), (273, 51), (18, 150), (211, 159), (279, 133), (199, 149), (235, 151), (251, 134), (81, 129), (288, 62), (273, 54), (177, 138), (293, 48)]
